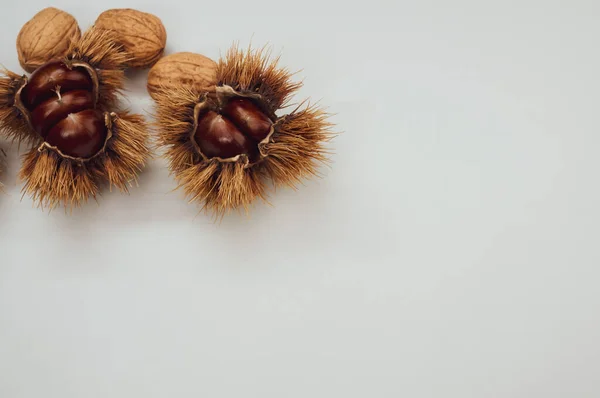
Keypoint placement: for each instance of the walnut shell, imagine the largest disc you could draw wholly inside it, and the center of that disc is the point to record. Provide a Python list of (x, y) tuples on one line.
[(46, 36), (143, 35), (193, 71)]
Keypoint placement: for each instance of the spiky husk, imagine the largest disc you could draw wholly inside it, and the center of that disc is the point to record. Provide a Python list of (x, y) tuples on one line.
[(2, 165), (220, 186), (298, 147), (52, 180), (174, 122), (12, 123), (255, 71), (294, 152), (127, 151), (100, 49)]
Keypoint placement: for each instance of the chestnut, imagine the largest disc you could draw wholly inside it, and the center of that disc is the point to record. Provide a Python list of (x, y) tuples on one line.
[(248, 118), (79, 135), (50, 112), (215, 104), (234, 129), (61, 101), (46, 80), (218, 137)]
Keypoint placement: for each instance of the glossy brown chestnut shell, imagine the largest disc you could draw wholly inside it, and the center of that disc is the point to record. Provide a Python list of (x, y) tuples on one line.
[(59, 101), (231, 125)]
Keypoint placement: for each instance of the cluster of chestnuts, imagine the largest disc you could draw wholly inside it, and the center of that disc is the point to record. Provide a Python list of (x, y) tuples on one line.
[(219, 123), (68, 107)]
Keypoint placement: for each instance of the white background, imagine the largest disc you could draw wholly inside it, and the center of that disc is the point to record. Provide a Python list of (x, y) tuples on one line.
[(450, 251)]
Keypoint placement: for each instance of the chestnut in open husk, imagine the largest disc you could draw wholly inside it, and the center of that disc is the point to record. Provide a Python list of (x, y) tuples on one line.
[(222, 132), (68, 107)]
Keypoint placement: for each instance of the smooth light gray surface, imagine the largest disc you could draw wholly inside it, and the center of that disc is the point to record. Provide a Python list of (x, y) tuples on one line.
[(450, 251)]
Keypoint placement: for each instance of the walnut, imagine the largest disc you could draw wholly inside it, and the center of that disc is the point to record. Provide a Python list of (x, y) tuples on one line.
[(142, 35), (183, 69), (46, 36)]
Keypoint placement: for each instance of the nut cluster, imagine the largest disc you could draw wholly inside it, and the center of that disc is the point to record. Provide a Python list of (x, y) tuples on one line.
[(220, 126), (232, 128), (59, 100), (69, 107)]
